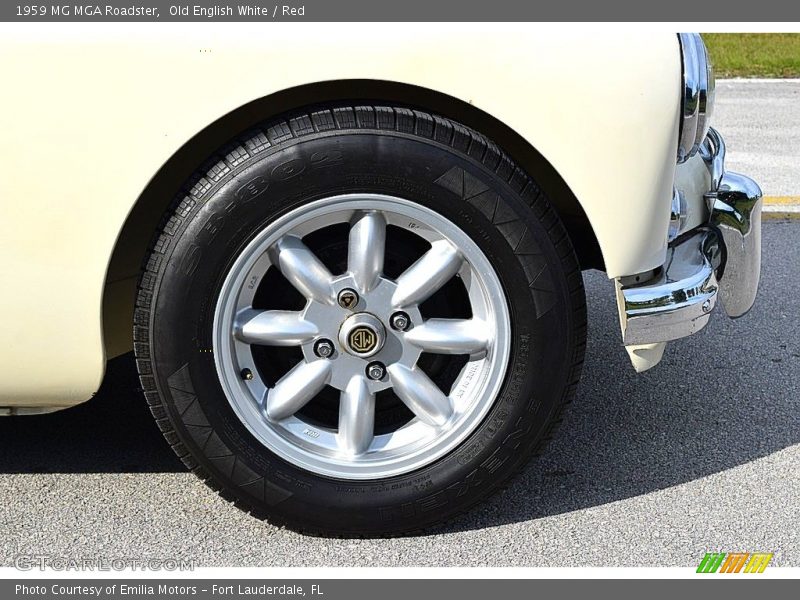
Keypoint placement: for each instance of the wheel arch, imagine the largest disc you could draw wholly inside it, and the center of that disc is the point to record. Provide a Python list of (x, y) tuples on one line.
[(148, 209)]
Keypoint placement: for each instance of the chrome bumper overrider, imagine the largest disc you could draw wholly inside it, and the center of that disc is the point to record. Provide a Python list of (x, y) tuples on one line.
[(720, 260)]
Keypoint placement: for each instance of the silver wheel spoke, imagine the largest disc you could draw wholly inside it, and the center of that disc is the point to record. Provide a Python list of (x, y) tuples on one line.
[(360, 332), (420, 394), (294, 390), (303, 269), (451, 336), (356, 416), (435, 268), (366, 249), (273, 328)]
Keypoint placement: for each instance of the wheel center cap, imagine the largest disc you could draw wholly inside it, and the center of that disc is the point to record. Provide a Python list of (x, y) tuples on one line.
[(362, 334)]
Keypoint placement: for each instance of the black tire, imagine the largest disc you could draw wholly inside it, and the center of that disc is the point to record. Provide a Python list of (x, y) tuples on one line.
[(344, 149)]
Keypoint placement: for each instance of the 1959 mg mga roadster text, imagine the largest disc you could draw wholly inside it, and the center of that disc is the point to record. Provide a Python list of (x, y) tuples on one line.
[(349, 267)]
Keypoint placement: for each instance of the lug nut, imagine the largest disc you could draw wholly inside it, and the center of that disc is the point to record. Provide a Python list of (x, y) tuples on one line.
[(247, 374), (348, 298), (376, 371), (323, 348), (400, 321)]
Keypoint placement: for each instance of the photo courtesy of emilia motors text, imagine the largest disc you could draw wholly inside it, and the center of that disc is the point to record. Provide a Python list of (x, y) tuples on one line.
[(348, 299)]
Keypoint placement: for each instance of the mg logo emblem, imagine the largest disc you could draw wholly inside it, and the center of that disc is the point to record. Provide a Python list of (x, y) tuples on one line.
[(362, 334), (362, 339)]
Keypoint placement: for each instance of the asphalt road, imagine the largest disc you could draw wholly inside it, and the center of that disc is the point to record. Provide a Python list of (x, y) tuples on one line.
[(701, 453), (760, 121)]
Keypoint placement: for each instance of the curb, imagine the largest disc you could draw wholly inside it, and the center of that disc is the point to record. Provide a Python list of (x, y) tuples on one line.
[(781, 207), (724, 80)]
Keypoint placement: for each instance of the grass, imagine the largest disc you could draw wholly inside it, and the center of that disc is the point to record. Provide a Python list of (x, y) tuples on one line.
[(754, 54)]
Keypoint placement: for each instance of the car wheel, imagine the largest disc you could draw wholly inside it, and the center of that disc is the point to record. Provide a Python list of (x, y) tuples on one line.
[(359, 320)]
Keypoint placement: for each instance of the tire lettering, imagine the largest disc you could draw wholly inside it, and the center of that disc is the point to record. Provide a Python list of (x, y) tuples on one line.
[(288, 170), (326, 159), (252, 189), (191, 260), (213, 226)]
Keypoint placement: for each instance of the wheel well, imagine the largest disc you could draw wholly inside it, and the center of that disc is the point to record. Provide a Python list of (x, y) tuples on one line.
[(147, 212)]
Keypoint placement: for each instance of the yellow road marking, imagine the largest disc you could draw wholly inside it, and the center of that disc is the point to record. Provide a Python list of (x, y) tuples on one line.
[(781, 207), (781, 200)]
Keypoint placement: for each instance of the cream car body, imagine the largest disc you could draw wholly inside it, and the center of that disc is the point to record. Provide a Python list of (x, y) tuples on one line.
[(100, 126)]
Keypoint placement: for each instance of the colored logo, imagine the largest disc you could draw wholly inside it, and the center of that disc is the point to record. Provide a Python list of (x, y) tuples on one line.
[(362, 339), (734, 562)]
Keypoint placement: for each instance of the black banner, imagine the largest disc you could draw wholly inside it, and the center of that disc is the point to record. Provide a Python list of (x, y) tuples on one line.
[(383, 589), (402, 11)]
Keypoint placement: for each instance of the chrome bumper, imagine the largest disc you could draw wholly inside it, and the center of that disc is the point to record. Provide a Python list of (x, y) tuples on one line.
[(719, 260)]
